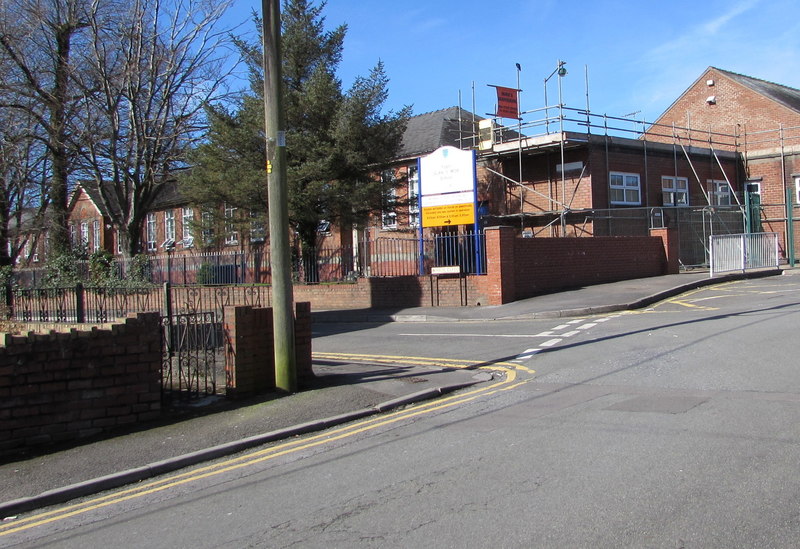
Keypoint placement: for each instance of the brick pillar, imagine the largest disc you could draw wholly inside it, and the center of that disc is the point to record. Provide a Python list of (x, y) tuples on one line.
[(249, 354), (500, 278), (302, 341), (669, 237)]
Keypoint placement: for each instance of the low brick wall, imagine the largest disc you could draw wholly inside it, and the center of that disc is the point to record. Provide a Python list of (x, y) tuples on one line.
[(395, 292), (547, 264), (249, 348), (524, 267), (57, 387)]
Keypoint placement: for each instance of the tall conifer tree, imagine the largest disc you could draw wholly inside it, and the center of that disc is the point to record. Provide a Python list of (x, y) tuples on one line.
[(337, 142)]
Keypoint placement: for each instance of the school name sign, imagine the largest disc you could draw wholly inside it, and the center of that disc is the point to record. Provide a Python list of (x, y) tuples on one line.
[(447, 187)]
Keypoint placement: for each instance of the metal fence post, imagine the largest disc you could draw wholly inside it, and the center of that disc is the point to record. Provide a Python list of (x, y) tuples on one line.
[(790, 226), (744, 253), (9, 302), (80, 305), (168, 316)]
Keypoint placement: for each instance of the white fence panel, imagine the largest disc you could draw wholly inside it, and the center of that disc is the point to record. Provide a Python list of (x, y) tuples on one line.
[(741, 252)]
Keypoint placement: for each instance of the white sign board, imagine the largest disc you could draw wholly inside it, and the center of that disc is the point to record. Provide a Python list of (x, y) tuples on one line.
[(447, 170), (447, 187)]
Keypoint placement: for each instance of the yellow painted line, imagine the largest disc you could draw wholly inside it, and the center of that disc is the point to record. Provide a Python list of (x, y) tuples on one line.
[(259, 456), (692, 306), (718, 297), (419, 361)]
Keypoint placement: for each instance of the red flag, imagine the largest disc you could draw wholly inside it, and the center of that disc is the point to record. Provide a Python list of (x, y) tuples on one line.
[(507, 104)]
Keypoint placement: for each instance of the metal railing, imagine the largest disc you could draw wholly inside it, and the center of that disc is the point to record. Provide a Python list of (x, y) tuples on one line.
[(741, 252), (380, 257)]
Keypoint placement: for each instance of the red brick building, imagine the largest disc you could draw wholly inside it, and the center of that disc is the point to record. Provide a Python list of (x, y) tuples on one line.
[(580, 184), (756, 119), (727, 138)]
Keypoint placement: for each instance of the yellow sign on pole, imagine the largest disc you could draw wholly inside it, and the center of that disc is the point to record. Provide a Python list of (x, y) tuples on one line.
[(448, 215)]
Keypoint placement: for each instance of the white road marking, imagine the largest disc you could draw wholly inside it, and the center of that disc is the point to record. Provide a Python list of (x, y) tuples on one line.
[(524, 336), (550, 342), (526, 355)]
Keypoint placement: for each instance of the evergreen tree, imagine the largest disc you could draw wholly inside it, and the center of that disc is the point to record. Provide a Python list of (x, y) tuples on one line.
[(337, 142)]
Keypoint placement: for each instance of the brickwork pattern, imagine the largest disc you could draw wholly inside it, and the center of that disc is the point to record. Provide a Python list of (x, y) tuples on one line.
[(249, 348), (58, 387), (524, 267), (547, 264), (735, 109)]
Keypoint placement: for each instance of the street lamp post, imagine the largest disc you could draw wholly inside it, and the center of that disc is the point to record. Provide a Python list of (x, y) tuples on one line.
[(561, 72)]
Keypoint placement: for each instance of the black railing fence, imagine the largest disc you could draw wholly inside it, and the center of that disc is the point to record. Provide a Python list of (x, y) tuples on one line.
[(382, 257)]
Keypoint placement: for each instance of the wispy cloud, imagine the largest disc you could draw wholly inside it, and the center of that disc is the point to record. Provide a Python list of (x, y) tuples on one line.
[(701, 34), (666, 69), (717, 24)]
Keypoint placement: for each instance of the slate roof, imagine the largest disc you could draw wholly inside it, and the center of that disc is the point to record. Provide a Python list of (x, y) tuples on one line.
[(166, 195), (93, 191), (786, 96), (427, 132)]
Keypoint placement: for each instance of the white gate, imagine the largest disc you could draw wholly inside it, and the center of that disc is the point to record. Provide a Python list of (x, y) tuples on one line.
[(740, 252)]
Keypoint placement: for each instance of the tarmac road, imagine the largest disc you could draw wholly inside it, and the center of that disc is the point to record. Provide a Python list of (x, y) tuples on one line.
[(343, 391)]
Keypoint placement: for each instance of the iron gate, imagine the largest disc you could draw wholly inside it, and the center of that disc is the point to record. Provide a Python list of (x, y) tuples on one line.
[(192, 365)]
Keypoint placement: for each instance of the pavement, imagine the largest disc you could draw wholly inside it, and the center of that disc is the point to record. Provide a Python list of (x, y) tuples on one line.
[(341, 392)]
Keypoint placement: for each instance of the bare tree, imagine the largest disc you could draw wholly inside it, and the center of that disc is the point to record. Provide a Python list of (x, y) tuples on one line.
[(157, 64), (23, 185), (37, 42)]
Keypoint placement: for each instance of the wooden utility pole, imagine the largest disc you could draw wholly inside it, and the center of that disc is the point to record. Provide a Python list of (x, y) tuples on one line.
[(280, 257)]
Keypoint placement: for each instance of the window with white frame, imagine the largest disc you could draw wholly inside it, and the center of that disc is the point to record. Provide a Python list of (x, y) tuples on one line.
[(624, 189), (186, 227), (413, 196), (85, 234), (151, 231), (753, 187), (719, 193), (675, 190), (324, 228), (231, 234), (797, 189), (72, 235), (209, 234), (119, 241), (95, 235), (258, 230), (389, 210), (169, 225)]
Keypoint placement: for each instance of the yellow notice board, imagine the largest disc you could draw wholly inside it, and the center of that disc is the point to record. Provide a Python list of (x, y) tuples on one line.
[(448, 214)]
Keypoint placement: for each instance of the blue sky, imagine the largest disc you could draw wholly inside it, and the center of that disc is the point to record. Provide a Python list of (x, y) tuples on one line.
[(640, 54)]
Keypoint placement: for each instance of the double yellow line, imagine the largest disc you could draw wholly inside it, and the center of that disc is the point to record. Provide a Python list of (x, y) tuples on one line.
[(509, 381), (423, 361)]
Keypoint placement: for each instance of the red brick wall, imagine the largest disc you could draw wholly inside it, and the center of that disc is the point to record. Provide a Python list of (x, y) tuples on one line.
[(395, 292), (524, 267), (547, 264), (586, 187), (59, 387), (249, 348), (737, 110)]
